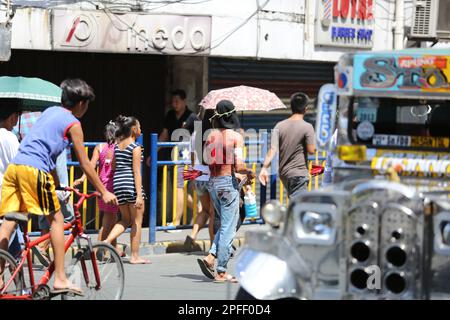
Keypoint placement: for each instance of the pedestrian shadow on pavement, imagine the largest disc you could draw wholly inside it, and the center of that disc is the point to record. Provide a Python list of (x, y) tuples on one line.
[(198, 277), (196, 253)]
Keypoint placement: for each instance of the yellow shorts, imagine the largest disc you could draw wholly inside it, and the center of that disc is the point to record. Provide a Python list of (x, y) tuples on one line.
[(29, 190)]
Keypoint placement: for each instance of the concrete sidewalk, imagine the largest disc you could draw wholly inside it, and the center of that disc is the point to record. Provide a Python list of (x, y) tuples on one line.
[(168, 242), (173, 242)]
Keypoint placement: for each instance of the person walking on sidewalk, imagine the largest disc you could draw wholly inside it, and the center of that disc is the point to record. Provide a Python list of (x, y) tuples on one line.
[(104, 154), (128, 184), (294, 137), (224, 154), (206, 211)]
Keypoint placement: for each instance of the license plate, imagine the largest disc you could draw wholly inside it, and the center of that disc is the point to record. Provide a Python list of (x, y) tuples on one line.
[(391, 140)]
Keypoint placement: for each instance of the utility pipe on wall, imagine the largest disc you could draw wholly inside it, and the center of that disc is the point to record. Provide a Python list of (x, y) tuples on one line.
[(399, 24)]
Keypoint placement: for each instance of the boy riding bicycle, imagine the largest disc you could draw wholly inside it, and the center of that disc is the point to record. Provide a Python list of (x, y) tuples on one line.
[(30, 180)]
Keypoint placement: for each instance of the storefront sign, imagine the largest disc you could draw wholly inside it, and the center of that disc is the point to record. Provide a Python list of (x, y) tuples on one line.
[(99, 31), (402, 73), (345, 23)]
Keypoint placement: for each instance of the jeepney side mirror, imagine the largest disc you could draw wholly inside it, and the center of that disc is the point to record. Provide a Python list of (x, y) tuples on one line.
[(326, 116), (273, 212)]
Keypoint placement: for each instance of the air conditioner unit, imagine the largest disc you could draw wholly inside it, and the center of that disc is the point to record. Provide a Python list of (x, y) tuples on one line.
[(443, 23), (425, 16)]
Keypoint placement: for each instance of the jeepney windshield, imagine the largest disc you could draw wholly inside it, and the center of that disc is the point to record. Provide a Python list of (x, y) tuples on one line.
[(400, 123)]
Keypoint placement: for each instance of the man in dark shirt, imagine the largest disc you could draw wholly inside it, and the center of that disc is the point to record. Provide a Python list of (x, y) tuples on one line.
[(175, 119)]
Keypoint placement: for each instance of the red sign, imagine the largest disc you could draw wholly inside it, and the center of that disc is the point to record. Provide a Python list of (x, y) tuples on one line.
[(358, 9)]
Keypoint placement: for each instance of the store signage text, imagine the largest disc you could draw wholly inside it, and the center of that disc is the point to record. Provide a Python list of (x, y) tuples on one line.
[(405, 73), (178, 37), (97, 31), (360, 9), (345, 23)]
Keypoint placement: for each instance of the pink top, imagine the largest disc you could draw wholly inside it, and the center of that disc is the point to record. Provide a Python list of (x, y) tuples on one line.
[(105, 160), (106, 175)]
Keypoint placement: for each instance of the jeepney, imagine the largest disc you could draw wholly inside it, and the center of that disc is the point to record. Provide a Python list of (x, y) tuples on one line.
[(381, 229)]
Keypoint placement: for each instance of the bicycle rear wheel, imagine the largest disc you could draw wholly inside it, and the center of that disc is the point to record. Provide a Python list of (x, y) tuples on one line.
[(9, 267), (110, 270)]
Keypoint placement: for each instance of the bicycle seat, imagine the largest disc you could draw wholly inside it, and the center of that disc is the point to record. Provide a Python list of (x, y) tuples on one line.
[(20, 218)]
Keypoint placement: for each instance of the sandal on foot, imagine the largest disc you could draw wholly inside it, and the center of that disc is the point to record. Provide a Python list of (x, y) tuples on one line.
[(207, 270), (70, 291), (143, 261), (223, 279)]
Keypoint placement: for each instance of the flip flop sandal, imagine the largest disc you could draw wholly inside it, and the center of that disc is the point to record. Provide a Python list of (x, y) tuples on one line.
[(223, 280), (206, 269), (145, 262), (68, 291)]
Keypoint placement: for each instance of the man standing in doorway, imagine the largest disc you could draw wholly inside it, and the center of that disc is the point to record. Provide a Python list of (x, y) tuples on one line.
[(295, 139), (175, 119)]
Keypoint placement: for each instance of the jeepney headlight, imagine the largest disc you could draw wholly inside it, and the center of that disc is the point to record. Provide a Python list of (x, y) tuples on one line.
[(315, 223), (273, 213), (446, 233), (442, 233)]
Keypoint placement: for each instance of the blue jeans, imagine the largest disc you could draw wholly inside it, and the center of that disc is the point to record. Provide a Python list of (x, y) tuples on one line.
[(225, 196), (15, 243)]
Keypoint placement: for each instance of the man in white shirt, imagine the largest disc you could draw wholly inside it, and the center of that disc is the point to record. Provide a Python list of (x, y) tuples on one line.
[(9, 144)]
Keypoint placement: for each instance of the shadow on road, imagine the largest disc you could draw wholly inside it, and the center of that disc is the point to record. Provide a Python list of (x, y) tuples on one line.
[(200, 278)]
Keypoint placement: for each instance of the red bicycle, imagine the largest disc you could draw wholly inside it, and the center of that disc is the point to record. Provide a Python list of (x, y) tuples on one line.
[(102, 278)]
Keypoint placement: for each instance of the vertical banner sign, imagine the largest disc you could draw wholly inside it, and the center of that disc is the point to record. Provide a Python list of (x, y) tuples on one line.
[(326, 115)]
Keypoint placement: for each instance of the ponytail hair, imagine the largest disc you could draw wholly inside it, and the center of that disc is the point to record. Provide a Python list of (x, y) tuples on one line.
[(110, 132), (124, 125)]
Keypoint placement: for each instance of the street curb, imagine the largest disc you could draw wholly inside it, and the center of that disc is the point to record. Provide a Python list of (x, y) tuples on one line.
[(178, 246), (162, 247)]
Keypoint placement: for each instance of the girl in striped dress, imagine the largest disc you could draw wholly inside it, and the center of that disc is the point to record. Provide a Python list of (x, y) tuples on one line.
[(103, 154), (128, 184)]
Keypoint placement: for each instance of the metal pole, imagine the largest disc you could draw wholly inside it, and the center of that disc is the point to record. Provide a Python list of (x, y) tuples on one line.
[(263, 189), (153, 186)]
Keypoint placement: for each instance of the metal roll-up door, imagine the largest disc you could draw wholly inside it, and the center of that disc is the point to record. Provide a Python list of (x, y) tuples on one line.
[(282, 78)]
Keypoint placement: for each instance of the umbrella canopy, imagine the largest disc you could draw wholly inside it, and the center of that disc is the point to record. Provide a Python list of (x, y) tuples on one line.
[(34, 93), (244, 98)]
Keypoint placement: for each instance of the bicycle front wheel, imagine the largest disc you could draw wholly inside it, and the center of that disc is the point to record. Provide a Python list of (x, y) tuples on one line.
[(110, 272), (8, 266)]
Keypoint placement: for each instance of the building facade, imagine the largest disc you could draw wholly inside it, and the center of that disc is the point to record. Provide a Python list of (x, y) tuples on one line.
[(135, 52)]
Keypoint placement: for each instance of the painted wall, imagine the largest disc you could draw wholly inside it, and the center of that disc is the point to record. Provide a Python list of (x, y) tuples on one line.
[(274, 29)]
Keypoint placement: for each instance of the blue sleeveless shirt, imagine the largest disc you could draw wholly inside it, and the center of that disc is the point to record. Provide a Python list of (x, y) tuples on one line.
[(46, 140)]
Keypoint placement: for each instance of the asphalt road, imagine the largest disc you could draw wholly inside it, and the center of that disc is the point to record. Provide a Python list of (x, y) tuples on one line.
[(174, 276)]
